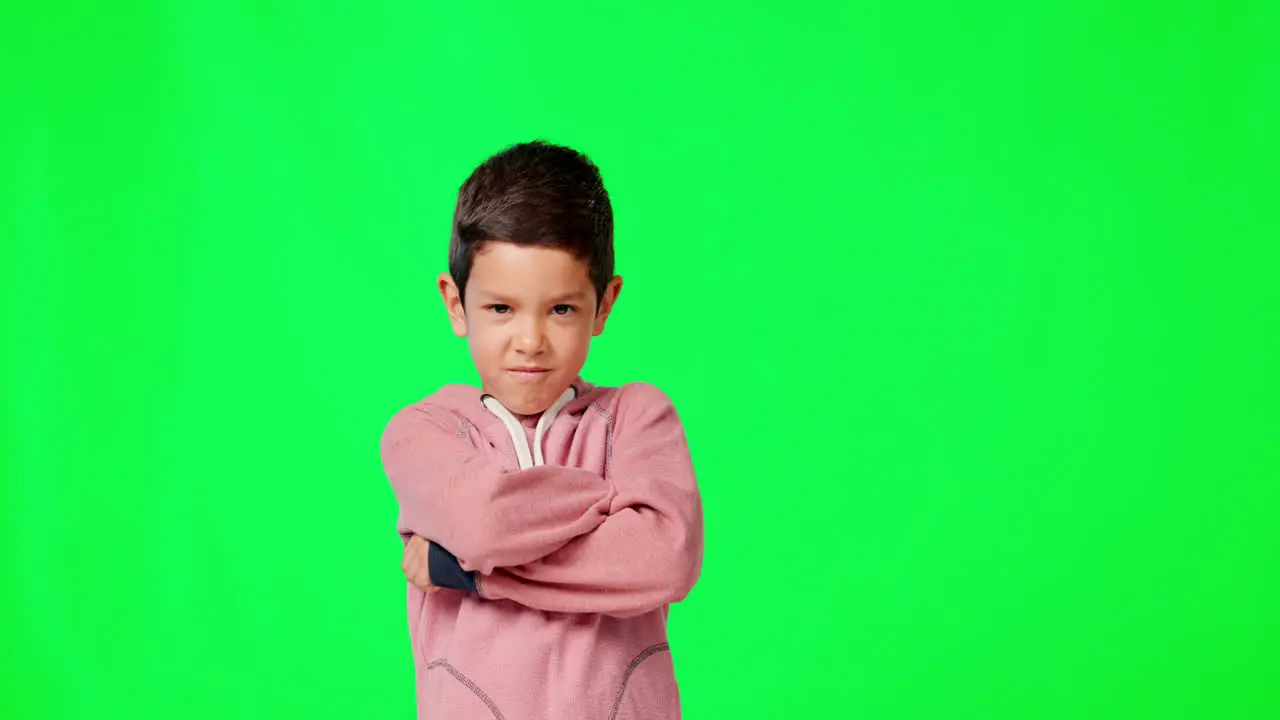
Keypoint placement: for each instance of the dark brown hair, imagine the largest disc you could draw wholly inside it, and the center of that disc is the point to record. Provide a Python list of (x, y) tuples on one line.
[(535, 194)]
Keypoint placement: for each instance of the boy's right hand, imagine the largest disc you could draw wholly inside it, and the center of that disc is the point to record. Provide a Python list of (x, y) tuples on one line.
[(414, 565)]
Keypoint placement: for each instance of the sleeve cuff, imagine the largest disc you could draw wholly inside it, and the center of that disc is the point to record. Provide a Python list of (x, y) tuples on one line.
[(447, 572)]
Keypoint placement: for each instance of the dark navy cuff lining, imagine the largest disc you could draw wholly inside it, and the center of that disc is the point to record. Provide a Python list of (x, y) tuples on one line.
[(447, 572)]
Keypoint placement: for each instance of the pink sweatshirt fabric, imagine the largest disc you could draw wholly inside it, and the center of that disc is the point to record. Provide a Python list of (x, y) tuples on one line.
[(578, 558)]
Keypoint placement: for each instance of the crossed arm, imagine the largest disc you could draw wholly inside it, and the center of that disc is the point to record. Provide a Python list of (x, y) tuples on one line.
[(553, 538)]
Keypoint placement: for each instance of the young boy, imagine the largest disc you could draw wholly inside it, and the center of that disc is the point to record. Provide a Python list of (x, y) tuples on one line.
[(548, 523)]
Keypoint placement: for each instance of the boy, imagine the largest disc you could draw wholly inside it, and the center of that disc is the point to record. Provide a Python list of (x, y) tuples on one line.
[(548, 523)]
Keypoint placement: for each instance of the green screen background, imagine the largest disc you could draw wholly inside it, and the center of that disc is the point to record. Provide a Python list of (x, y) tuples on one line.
[(970, 309)]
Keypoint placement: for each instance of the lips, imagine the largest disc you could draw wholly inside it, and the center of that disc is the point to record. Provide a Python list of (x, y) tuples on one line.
[(529, 374)]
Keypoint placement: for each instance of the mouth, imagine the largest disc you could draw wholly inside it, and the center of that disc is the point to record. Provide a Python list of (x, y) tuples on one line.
[(528, 374)]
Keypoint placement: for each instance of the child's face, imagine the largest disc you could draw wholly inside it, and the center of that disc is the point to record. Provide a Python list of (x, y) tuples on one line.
[(529, 317)]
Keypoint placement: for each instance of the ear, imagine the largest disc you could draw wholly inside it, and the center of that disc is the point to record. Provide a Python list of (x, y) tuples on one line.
[(453, 304), (611, 292)]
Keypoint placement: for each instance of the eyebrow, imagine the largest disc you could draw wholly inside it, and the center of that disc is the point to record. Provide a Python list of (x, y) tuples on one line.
[(581, 294), (505, 300)]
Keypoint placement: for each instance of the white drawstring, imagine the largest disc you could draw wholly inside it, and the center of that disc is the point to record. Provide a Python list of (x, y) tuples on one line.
[(517, 430), (544, 423)]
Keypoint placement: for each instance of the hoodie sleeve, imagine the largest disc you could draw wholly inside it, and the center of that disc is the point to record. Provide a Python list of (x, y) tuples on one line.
[(485, 514), (648, 552)]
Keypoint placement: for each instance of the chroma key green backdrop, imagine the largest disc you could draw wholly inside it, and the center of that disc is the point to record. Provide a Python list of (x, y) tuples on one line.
[(971, 310)]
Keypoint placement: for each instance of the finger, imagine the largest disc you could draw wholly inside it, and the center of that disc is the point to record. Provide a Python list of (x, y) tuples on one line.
[(412, 571), (420, 547), (412, 562), (409, 560), (421, 571)]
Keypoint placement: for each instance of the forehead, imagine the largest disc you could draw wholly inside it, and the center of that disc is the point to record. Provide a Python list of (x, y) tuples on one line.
[(529, 273)]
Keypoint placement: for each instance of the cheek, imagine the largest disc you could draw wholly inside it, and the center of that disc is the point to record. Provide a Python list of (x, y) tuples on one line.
[(486, 344), (573, 339)]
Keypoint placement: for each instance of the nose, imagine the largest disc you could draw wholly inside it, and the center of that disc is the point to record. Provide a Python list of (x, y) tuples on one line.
[(530, 337)]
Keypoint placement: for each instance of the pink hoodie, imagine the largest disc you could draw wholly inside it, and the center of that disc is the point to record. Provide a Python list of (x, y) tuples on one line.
[(580, 530)]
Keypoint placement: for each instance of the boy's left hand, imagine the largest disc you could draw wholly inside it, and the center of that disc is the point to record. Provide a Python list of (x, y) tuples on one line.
[(414, 565)]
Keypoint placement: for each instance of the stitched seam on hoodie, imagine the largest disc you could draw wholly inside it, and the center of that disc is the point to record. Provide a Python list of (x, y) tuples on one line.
[(608, 439), (422, 620), (626, 676), (466, 682), (463, 424)]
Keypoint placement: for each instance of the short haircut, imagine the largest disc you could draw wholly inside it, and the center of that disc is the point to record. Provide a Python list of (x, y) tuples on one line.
[(535, 194)]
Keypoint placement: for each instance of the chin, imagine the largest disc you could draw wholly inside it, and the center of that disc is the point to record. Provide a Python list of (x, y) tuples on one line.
[(520, 400), (527, 408), (525, 400)]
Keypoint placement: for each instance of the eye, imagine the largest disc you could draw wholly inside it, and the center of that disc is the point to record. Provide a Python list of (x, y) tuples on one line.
[(499, 309), (562, 309)]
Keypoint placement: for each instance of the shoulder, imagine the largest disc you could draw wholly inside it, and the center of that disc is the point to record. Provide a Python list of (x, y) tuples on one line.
[(456, 399), (644, 394), (629, 394), (634, 401), (443, 410)]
